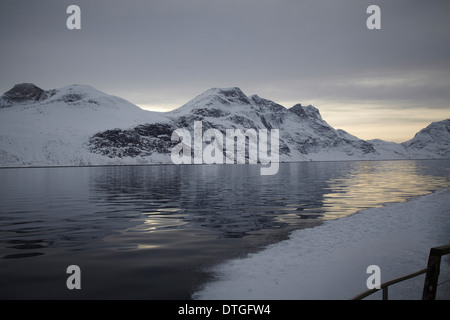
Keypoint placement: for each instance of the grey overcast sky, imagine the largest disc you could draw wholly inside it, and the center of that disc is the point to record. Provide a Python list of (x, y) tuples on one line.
[(159, 54)]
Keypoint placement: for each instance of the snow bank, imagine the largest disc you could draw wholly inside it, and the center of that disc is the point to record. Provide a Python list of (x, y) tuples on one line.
[(330, 261)]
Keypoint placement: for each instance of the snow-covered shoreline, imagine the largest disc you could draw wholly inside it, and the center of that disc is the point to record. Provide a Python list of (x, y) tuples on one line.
[(330, 260)]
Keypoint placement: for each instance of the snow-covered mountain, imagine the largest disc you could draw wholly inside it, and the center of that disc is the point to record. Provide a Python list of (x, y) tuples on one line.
[(79, 125), (430, 142), (41, 128), (303, 132)]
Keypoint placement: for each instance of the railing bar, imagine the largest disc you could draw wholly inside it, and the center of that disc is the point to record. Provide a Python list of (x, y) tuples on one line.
[(364, 294), (445, 281), (385, 293), (412, 275), (441, 251), (388, 283)]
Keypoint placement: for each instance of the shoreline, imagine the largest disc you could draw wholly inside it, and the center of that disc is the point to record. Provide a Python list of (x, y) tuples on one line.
[(168, 164)]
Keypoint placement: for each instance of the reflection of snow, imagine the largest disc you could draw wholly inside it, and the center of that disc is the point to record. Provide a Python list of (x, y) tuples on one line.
[(330, 260)]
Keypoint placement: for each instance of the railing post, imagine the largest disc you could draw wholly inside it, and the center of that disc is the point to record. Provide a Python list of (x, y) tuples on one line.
[(432, 275), (385, 293)]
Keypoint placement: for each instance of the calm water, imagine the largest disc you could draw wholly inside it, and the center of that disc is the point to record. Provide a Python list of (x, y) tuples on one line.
[(147, 232)]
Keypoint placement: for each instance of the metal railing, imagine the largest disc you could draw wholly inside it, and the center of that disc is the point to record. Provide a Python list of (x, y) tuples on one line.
[(431, 279)]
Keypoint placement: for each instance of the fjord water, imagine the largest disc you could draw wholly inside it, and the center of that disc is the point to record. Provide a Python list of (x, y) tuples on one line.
[(149, 232)]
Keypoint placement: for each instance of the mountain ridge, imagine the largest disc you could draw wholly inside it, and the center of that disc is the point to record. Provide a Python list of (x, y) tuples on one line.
[(80, 125)]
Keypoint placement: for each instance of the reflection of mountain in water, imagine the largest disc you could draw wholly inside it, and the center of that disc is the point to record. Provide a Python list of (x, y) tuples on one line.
[(76, 208), (234, 200), (231, 200)]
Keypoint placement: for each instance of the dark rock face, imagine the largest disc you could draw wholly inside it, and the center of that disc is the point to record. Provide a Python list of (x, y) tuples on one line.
[(22, 93), (298, 110), (71, 97), (143, 140), (234, 95), (205, 112)]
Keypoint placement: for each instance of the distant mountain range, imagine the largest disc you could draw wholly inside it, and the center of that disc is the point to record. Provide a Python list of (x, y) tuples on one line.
[(79, 125)]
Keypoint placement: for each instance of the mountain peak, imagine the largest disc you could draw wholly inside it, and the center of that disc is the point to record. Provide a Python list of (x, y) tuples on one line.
[(306, 112), (75, 93), (228, 95), (22, 93), (29, 93), (24, 87), (215, 98), (436, 136)]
